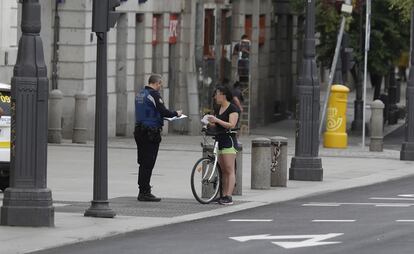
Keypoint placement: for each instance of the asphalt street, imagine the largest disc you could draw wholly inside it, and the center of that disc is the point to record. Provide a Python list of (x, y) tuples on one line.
[(394, 140), (374, 219)]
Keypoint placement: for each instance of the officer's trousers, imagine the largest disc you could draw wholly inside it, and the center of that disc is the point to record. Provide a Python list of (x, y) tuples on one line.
[(147, 152)]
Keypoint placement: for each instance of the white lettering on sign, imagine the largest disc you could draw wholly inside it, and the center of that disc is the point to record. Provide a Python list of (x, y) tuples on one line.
[(173, 28), (310, 240)]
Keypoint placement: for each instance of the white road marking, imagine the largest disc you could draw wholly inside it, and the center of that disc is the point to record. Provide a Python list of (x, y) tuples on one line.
[(250, 220), (310, 240), (393, 205), (333, 220), (367, 204), (322, 204), (406, 195), (59, 204), (379, 198), (404, 220)]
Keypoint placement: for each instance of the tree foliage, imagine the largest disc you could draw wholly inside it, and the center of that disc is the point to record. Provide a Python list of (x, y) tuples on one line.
[(389, 30), (404, 7), (389, 37)]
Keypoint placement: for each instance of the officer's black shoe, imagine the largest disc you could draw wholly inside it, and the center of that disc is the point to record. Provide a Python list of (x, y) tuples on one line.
[(148, 197)]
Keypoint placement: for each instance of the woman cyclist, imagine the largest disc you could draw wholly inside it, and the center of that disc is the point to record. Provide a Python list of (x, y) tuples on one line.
[(226, 118)]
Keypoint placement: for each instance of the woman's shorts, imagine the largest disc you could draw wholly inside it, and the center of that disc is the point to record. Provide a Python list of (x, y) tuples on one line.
[(227, 144), (230, 150)]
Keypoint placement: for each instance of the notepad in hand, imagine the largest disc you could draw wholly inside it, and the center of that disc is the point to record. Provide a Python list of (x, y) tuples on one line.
[(175, 118)]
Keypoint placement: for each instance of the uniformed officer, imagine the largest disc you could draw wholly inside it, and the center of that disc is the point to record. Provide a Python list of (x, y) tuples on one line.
[(149, 113)]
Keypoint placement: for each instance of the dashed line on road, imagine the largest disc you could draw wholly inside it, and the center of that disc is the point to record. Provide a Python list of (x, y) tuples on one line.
[(322, 204), (362, 204), (406, 195), (381, 198), (59, 204), (404, 220), (333, 220), (393, 205), (250, 220)]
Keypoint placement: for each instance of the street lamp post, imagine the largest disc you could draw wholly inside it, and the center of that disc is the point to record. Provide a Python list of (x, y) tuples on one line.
[(357, 123), (103, 18), (407, 149), (306, 165), (100, 205), (28, 201)]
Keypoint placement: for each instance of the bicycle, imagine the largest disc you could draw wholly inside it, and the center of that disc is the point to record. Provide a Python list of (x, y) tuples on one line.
[(206, 172)]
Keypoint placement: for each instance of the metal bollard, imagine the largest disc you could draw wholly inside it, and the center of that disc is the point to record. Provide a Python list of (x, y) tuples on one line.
[(279, 161), (55, 117), (80, 134), (377, 126), (238, 188), (261, 159)]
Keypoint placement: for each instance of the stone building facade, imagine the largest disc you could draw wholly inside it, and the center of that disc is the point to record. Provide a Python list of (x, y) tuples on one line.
[(163, 37), (8, 39)]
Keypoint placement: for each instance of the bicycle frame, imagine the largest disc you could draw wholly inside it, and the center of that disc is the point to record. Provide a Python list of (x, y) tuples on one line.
[(215, 152)]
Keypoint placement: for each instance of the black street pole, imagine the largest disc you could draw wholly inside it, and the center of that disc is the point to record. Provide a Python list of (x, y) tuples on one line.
[(55, 58), (357, 123), (407, 149), (306, 165), (100, 205), (103, 18), (28, 201)]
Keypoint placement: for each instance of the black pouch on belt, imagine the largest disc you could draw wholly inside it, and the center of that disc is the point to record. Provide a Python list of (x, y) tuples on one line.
[(154, 135)]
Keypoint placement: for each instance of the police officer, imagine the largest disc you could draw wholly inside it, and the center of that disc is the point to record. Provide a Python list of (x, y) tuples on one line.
[(149, 113)]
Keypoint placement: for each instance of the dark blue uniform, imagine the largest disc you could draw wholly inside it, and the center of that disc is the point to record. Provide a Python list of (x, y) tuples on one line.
[(149, 113)]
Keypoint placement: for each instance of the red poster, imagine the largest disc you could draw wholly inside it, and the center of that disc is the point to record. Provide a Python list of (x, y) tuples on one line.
[(262, 29), (248, 22), (173, 28)]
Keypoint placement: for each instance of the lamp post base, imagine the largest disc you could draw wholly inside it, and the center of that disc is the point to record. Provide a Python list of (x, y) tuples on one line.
[(100, 209), (27, 207), (306, 169), (356, 126), (407, 151)]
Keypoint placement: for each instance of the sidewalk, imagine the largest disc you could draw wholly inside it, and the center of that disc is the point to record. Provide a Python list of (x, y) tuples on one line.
[(70, 177)]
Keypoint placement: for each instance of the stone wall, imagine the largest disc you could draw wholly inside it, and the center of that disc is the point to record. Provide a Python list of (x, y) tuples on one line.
[(8, 39)]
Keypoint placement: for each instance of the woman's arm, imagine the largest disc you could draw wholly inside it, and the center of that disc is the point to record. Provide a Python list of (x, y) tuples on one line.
[(228, 125)]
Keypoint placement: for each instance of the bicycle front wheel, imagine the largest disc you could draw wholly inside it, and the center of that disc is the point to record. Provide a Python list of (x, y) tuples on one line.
[(205, 180)]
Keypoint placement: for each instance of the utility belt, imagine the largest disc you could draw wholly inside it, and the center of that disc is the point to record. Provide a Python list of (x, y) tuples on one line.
[(153, 133), (143, 127)]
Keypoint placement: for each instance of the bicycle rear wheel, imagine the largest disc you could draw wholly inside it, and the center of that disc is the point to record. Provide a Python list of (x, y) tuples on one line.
[(205, 180)]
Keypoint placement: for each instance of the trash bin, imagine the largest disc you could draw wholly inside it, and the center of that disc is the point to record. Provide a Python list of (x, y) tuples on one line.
[(278, 175), (335, 135)]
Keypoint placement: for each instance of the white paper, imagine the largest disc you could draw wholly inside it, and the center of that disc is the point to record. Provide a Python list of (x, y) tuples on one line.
[(205, 119), (175, 118)]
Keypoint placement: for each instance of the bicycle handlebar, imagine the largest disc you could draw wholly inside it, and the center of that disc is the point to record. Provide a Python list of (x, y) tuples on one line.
[(215, 133)]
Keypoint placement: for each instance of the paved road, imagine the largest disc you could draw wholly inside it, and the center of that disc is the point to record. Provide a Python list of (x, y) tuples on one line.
[(375, 219), (394, 140)]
